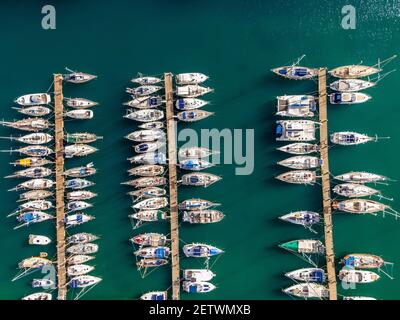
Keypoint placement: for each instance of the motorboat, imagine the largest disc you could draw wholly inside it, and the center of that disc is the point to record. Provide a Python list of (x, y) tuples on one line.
[(358, 276), (190, 78), (351, 85), (348, 97), (197, 287), (197, 275), (155, 296), (38, 240)]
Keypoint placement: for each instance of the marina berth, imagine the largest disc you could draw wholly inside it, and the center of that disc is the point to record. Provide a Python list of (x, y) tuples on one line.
[(148, 192), (357, 276), (190, 78), (145, 115), (153, 252), (361, 177), (79, 259), (34, 184), (308, 291), (194, 164), (29, 124), (362, 206), (203, 216), (151, 263), (33, 151), (80, 103), (347, 138), (80, 238), (199, 179), (155, 296), (198, 275), (77, 219), (32, 138), (354, 190), (301, 162), (146, 80), (35, 195), (85, 248), (31, 162), (190, 103), (35, 172), (149, 215), (193, 115), (143, 90), (363, 261), (348, 98), (80, 114), (303, 218), (77, 205), (152, 125), (79, 269), (81, 172), (307, 246), (38, 296), (151, 204), (196, 204), (192, 91), (201, 250), (38, 240), (351, 85), (78, 77), (78, 150), (34, 263), (295, 130), (197, 287), (78, 184), (146, 135), (147, 170), (149, 239), (34, 111), (307, 275), (81, 137), (305, 177), (81, 195), (146, 182), (83, 281), (33, 99), (296, 106), (299, 148), (195, 152), (295, 71), (149, 146), (145, 102), (149, 158)]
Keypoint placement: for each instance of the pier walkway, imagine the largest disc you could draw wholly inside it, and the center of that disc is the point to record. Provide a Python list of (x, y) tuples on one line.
[(60, 185), (326, 187), (173, 189)]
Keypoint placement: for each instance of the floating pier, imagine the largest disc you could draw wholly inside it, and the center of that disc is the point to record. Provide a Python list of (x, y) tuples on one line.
[(60, 186), (173, 189), (326, 186)]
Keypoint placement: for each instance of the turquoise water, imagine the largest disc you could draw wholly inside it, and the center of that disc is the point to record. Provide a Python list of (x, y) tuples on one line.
[(236, 44)]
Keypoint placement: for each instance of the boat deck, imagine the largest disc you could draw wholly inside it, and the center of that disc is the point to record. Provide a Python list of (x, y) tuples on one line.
[(60, 185), (173, 189), (326, 187)]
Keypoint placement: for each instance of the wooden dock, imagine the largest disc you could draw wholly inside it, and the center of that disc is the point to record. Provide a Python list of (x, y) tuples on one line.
[(173, 189), (326, 187), (60, 185)]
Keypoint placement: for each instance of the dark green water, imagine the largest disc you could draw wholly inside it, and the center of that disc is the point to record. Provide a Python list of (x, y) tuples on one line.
[(236, 43)]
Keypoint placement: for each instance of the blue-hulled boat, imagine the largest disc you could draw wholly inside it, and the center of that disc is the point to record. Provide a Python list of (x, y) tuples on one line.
[(307, 275), (201, 250), (197, 287)]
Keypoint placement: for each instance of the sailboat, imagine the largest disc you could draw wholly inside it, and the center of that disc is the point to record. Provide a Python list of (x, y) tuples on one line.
[(80, 114), (201, 250), (146, 135), (194, 164), (146, 80), (143, 90), (351, 85), (79, 259), (348, 98), (149, 158), (199, 179), (197, 275), (195, 152), (78, 77), (77, 219), (80, 103), (363, 261), (81, 195), (83, 281), (78, 150), (78, 183), (190, 103), (348, 138), (33, 138), (149, 215), (31, 217), (77, 205), (296, 106), (303, 218), (145, 102), (147, 170), (192, 91), (38, 296), (82, 237), (29, 124), (33, 99), (83, 248), (151, 204), (39, 205), (362, 206), (152, 125), (203, 216), (193, 115), (83, 137), (307, 246), (306, 177), (361, 177), (358, 276), (190, 78), (307, 275), (295, 130), (33, 151), (42, 283), (296, 72), (35, 172), (153, 252), (145, 115), (78, 270), (301, 162), (308, 290), (196, 204), (358, 298), (35, 195), (34, 263), (354, 190), (31, 162), (80, 172), (197, 287), (148, 192), (34, 111), (146, 182), (149, 146), (155, 295), (34, 184), (149, 239)]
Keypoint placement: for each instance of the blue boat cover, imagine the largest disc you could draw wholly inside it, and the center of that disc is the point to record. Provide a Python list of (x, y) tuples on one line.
[(153, 101), (143, 147), (157, 297), (181, 104), (318, 276), (194, 179), (349, 261), (192, 289), (160, 253), (337, 97), (282, 71), (279, 130), (300, 72)]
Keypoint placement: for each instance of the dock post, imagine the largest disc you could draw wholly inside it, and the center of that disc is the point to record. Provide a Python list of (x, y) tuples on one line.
[(173, 189), (60, 186), (325, 177)]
